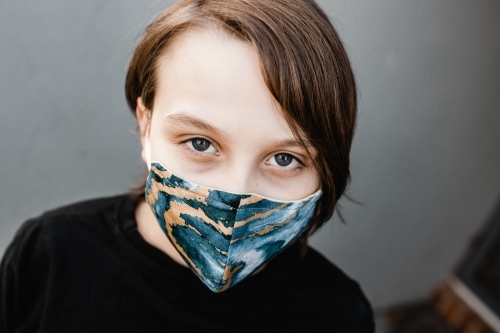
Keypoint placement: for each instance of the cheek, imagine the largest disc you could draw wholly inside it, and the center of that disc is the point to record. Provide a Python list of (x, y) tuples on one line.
[(176, 158), (307, 185), (294, 188), (161, 151)]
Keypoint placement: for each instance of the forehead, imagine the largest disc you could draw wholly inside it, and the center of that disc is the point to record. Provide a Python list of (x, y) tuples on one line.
[(216, 77)]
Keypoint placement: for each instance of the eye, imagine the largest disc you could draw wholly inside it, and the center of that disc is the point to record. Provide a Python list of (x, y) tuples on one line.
[(283, 160), (201, 145)]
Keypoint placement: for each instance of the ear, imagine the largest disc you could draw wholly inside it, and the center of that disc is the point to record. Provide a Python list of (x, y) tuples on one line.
[(143, 118)]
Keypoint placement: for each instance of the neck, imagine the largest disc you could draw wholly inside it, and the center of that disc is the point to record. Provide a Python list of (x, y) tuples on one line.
[(151, 232)]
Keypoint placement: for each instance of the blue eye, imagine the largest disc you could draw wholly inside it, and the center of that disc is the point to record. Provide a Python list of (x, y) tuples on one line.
[(283, 159), (200, 144)]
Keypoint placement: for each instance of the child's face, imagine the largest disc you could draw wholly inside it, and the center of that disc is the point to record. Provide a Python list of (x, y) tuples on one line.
[(215, 123)]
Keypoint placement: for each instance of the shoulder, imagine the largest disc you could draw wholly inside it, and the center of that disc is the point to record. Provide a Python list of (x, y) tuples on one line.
[(51, 251), (343, 303), (98, 206), (80, 212), (62, 227)]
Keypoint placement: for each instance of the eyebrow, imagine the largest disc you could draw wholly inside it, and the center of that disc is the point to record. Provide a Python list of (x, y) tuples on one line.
[(187, 120), (289, 143)]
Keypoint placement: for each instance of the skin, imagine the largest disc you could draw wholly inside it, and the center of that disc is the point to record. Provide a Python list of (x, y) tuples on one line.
[(211, 95)]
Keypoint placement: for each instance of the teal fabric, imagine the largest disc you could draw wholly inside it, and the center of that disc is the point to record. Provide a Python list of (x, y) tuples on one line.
[(223, 237)]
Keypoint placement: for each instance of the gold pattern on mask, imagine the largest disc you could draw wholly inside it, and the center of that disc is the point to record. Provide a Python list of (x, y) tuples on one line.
[(266, 230), (178, 207), (258, 216)]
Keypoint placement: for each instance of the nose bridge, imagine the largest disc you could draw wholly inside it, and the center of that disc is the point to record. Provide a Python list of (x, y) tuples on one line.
[(241, 177)]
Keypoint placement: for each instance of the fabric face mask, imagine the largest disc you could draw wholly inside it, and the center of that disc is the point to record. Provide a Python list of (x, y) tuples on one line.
[(223, 237)]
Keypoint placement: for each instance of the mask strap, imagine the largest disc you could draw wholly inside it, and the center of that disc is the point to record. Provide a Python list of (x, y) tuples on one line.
[(147, 151)]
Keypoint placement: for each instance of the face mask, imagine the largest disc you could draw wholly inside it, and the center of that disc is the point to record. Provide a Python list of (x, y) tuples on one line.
[(223, 237)]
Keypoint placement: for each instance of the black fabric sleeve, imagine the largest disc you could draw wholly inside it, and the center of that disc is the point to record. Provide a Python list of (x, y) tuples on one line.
[(7, 294), (23, 277)]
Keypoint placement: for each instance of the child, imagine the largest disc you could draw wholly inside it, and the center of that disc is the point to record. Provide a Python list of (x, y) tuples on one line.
[(246, 111)]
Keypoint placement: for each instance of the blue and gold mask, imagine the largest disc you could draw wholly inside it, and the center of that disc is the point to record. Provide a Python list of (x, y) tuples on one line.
[(223, 237)]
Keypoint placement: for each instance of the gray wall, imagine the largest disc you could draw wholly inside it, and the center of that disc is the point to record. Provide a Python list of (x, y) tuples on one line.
[(425, 161)]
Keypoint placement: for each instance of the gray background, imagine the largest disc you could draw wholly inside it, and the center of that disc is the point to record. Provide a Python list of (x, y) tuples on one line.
[(425, 160)]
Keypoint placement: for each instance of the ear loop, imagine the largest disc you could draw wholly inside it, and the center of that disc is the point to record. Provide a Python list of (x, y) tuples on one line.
[(147, 150)]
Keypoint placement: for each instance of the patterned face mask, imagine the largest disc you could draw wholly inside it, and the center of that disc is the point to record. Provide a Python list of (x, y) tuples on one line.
[(223, 237)]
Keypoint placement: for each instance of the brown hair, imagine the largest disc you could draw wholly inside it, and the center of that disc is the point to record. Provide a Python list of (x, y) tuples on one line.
[(303, 64)]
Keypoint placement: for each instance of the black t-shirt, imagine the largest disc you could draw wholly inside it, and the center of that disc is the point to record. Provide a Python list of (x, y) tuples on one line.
[(86, 268)]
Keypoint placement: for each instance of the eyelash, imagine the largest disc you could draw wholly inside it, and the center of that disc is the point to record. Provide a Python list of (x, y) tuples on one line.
[(194, 151), (294, 170)]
